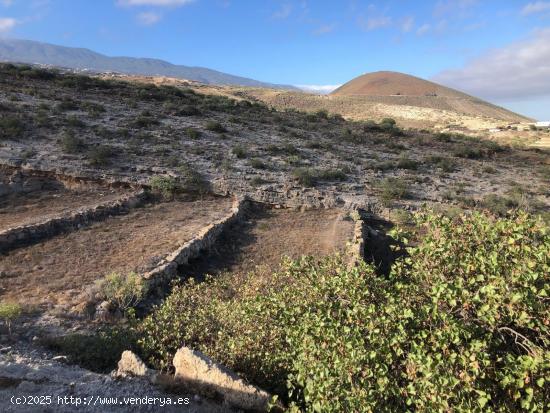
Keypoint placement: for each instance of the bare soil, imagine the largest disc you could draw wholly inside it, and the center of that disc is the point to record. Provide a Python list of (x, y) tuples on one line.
[(29, 208), (55, 272), (269, 235)]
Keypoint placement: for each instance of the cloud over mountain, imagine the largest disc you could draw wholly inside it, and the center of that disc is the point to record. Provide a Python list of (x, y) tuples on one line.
[(516, 71), (6, 24)]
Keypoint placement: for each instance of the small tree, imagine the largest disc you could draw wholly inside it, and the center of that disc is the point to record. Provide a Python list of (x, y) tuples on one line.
[(9, 312)]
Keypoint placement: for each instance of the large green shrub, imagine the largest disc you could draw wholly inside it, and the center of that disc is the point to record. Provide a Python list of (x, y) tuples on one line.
[(461, 324)]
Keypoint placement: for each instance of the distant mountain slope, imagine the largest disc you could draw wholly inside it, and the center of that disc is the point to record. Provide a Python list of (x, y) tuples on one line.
[(27, 51), (393, 88), (394, 83)]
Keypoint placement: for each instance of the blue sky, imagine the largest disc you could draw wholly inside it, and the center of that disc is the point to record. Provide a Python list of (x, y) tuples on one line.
[(498, 50)]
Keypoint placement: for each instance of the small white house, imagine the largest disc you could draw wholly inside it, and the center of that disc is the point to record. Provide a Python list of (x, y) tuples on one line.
[(545, 124)]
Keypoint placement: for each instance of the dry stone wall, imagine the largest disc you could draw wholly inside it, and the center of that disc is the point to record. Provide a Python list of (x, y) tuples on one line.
[(167, 269), (357, 247), (29, 234)]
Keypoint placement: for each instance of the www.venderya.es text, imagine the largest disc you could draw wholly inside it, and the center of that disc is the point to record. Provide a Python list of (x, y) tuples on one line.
[(99, 401)]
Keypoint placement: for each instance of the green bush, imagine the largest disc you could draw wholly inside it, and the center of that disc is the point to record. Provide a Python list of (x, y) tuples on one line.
[(322, 114), (305, 176), (498, 205), (67, 105), (9, 312), (460, 324), (489, 170), (145, 120), (70, 143), (239, 151), (193, 133), (189, 110), (166, 186), (468, 152), (258, 181), (192, 180), (74, 122), (258, 164), (11, 127), (100, 155), (124, 291), (406, 163), (446, 164), (388, 123), (392, 189), (331, 174), (215, 127)]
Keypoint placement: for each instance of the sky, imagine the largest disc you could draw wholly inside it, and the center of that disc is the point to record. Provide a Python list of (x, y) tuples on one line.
[(496, 50)]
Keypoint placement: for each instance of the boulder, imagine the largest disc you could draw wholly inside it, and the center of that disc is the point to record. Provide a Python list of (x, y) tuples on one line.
[(131, 365), (201, 374)]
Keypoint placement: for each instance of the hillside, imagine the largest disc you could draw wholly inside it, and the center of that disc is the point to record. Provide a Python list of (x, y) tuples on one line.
[(395, 88), (117, 195), (394, 84), (26, 51)]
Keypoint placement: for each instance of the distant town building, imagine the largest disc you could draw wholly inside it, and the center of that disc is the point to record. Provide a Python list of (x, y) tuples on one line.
[(545, 124)]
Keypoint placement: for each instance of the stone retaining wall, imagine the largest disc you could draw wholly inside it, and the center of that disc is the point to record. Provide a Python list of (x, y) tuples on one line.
[(357, 244), (206, 238), (29, 234), (19, 180)]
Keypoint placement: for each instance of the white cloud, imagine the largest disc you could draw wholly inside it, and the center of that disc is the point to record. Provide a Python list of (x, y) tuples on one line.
[(148, 18), (321, 89), (517, 71), (164, 3), (373, 23), (6, 24), (324, 29), (453, 7), (535, 7), (283, 12), (425, 28), (407, 24)]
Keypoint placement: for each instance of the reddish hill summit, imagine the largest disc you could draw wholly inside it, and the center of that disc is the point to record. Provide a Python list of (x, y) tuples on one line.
[(395, 84)]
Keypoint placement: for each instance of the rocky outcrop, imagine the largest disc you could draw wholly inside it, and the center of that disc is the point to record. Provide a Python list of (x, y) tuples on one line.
[(28, 373), (131, 365), (208, 378)]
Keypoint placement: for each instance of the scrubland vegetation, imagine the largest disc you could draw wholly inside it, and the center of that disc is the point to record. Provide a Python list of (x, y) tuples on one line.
[(460, 323)]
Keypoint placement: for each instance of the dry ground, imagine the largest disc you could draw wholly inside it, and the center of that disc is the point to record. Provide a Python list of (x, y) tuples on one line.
[(132, 131), (269, 235), (55, 272), (24, 209)]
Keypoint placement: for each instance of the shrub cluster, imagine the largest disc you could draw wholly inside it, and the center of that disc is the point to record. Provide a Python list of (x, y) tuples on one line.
[(460, 324), (309, 177), (11, 127)]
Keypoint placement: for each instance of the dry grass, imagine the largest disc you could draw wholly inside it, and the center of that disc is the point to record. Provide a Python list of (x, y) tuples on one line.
[(56, 271)]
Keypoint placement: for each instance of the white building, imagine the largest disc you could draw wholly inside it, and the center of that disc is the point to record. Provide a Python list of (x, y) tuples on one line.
[(545, 124)]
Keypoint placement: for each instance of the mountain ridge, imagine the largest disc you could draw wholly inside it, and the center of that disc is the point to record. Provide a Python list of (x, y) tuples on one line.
[(33, 52)]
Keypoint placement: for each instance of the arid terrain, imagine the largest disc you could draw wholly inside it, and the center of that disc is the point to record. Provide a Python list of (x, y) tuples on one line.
[(425, 106), (165, 181)]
